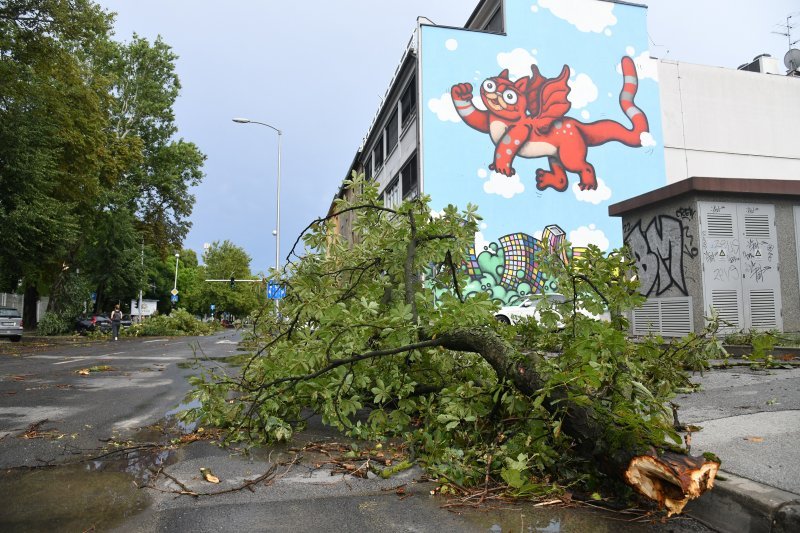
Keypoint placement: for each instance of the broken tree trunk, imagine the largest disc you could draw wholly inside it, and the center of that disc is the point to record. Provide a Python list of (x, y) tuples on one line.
[(667, 478)]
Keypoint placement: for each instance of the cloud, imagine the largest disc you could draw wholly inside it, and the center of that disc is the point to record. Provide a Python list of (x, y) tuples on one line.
[(502, 185), (601, 194), (586, 235), (583, 92), (451, 44), (586, 15), (482, 174), (647, 139), (482, 245), (444, 108), (646, 67), (518, 62), (585, 115)]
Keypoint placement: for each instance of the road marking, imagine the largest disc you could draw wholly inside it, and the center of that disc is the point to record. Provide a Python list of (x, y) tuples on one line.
[(226, 342), (156, 340), (74, 360)]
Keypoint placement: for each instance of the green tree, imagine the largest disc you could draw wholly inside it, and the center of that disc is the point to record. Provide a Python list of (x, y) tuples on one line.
[(361, 330), (223, 261)]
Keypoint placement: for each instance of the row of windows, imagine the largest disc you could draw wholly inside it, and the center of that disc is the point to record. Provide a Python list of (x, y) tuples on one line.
[(404, 184), (389, 137)]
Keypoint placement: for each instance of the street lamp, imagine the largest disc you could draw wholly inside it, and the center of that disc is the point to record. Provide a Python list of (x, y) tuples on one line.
[(277, 231), (175, 285)]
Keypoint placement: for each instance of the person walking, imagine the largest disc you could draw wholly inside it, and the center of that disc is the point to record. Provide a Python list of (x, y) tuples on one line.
[(116, 318)]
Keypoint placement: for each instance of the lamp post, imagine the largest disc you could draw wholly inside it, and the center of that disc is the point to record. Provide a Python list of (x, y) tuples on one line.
[(277, 231), (175, 285)]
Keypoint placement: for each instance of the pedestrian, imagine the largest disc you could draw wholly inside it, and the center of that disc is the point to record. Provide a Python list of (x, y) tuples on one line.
[(116, 318)]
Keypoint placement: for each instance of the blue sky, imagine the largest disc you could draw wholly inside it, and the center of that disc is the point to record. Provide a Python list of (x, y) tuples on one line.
[(317, 70)]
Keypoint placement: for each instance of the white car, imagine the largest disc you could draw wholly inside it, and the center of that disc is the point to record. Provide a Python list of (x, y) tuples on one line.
[(531, 307)]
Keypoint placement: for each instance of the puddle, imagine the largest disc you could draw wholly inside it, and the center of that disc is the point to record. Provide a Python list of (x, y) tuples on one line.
[(68, 498), (182, 425)]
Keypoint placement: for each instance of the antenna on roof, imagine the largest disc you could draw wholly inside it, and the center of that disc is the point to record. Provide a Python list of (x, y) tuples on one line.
[(792, 61), (787, 30)]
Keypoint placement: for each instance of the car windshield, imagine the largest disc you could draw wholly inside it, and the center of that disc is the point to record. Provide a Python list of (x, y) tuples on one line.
[(9, 313)]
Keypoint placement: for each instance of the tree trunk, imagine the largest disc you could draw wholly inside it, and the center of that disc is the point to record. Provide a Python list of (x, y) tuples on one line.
[(670, 479), (30, 305)]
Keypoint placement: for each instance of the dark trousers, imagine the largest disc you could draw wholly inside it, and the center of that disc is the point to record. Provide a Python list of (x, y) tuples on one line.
[(115, 328)]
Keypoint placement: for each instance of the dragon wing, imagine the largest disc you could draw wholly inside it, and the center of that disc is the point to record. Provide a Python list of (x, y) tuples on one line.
[(552, 99)]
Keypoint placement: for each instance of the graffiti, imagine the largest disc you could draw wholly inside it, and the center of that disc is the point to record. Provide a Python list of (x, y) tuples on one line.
[(659, 250), (756, 271), (758, 250), (509, 270), (527, 118), (722, 250), (726, 273), (685, 213)]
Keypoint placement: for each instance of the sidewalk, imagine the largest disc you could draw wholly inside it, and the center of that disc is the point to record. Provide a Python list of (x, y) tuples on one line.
[(751, 420)]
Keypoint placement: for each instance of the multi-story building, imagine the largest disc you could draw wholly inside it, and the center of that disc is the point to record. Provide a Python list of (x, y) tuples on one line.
[(550, 115)]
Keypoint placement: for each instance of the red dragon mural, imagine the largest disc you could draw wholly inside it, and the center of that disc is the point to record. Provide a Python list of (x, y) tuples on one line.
[(526, 118)]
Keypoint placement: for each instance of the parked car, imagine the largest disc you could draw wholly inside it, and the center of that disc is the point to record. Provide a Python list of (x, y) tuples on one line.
[(11, 323), (531, 306), (126, 321), (86, 324)]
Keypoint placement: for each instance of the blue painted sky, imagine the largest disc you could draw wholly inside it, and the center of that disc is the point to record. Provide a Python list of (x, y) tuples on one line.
[(317, 70), (457, 157)]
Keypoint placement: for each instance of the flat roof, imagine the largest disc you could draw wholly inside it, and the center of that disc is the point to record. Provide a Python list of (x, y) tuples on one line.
[(707, 185)]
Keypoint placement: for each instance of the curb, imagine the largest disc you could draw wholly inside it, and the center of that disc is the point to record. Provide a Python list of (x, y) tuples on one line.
[(738, 504)]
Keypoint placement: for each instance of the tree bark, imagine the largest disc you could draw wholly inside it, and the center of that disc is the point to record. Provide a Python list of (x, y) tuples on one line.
[(670, 479), (29, 306)]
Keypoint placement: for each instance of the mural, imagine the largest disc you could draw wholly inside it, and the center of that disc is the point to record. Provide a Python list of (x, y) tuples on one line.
[(510, 270), (526, 118), (510, 142), (659, 250)]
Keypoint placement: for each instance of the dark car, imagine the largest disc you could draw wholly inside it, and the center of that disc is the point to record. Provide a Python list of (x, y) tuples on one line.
[(126, 321), (86, 324), (10, 323)]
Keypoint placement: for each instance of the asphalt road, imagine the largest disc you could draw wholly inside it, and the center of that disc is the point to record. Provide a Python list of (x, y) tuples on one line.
[(43, 391), (70, 417)]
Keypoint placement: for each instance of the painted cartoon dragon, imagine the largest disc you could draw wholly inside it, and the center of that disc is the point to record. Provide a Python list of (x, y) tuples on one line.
[(526, 118)]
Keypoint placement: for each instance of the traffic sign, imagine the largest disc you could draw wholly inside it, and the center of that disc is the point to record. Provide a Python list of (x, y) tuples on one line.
[(276, 291), (174, 292), (174, 298), (213, 307)]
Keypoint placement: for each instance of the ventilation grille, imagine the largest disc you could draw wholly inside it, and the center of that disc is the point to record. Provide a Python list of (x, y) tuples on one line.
[(726, 302), (720, 225), (763, 314), (667, 317), (757, 226)]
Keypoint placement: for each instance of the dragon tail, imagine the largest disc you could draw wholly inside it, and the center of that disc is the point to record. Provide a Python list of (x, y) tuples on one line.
[(603, 131)]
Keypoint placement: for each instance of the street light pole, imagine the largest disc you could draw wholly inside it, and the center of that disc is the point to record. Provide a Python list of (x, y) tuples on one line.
[(277, 231), (175, 285)]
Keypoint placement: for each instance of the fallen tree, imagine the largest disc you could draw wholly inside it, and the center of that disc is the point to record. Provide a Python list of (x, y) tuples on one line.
[(379, 350)]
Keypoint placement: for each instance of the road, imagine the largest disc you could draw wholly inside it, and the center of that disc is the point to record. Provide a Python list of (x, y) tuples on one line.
[(147, 380), (70, 418)]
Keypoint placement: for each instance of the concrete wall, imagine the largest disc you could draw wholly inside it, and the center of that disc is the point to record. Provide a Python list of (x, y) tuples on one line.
[(719, 122), (653, 233)]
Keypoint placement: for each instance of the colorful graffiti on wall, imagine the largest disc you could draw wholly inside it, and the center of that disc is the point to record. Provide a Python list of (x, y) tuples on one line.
[(527, 118), (509, 270), (533, 151)]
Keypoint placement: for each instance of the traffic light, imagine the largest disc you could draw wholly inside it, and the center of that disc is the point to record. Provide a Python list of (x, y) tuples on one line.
[(233, 282)]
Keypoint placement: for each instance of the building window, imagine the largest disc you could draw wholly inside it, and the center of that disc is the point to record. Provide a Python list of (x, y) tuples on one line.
[(391, 195), (409, 178), (495, 23), (391, 133), (377, 154), (368, 169), (408, 103)]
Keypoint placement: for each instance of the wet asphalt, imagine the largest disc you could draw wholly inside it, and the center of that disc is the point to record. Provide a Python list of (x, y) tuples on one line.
[(56, 424)]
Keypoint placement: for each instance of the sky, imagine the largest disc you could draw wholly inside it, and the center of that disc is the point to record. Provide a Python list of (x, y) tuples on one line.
[(317, 71)]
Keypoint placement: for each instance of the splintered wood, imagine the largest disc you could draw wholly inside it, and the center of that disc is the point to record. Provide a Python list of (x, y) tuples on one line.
[(671, 479)]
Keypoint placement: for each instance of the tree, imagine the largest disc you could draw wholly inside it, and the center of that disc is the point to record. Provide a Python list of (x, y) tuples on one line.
[(223, 261), (360, 330)]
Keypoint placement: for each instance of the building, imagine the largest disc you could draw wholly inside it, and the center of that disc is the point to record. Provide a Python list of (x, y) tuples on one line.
[(597, 122)]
